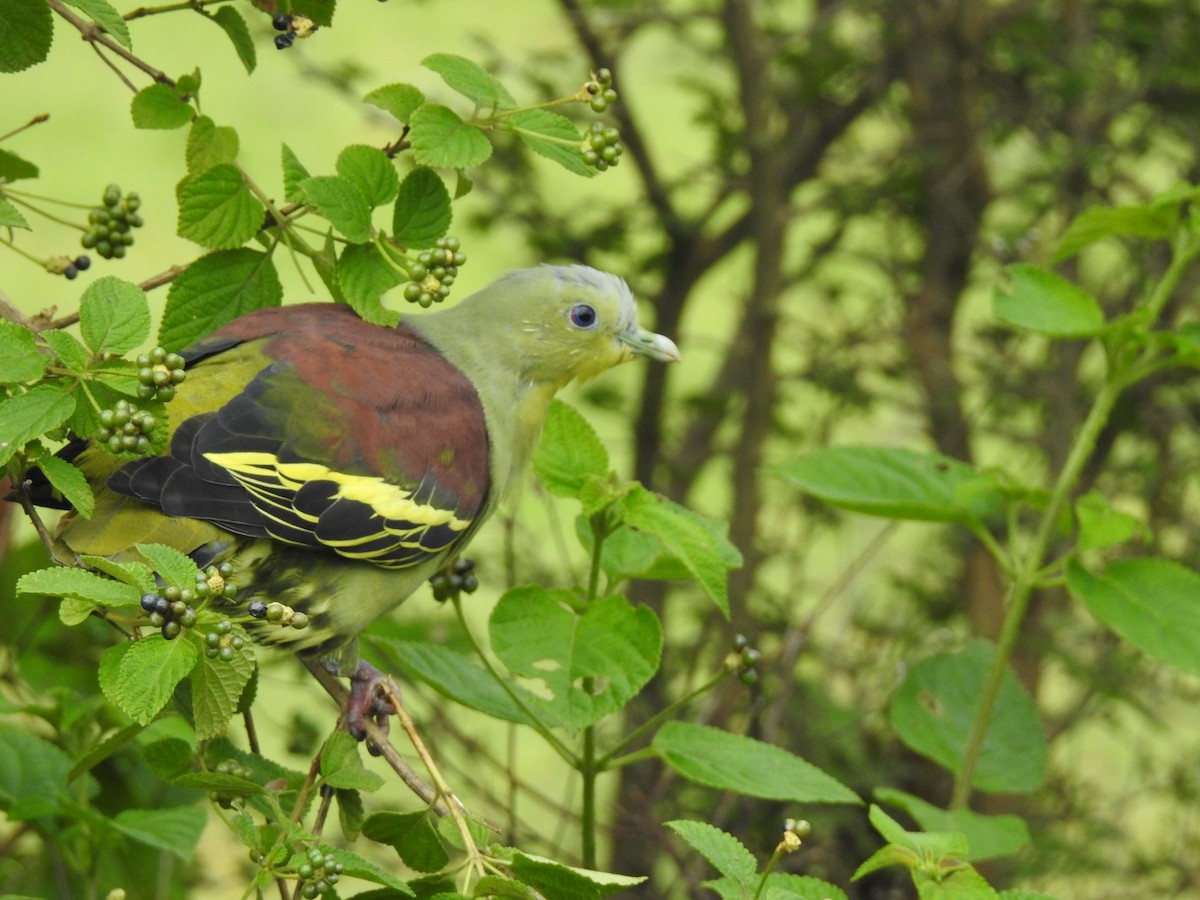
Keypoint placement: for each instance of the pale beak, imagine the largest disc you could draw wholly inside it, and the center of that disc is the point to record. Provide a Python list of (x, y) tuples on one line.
[(655, 346)]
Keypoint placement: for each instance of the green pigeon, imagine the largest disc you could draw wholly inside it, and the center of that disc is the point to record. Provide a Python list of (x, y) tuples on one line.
[(336, 464)]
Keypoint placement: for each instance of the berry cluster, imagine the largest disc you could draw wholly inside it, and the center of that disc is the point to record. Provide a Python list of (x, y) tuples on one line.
[(453, 580), (431, 276), (277, 614), (292, 27), (214, 582), (319, 873), (235, 768), (112, 223), (67, 267), (170, 611), (221, 643), (126, 428), (602, 146), (600, 91), (744, 659), (159, 373)]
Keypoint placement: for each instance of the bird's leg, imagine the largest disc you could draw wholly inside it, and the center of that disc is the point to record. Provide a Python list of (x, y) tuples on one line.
[(366, 700)]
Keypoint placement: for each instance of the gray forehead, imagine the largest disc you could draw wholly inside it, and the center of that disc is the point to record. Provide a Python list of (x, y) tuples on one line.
[(584, 280)]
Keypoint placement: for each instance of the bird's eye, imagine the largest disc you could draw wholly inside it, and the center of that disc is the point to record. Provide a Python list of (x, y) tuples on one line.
[(583, 316)]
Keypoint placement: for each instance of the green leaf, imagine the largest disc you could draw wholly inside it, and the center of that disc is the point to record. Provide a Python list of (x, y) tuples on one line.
[(591, 663), (422, 212), (131, 573), (469, 79), (175, 829), (103, 14), (341, 766), (569, 452), (67, 349), (894, 482), (20, 359), (24, 417), (340, 202), (31, 770), (26, 30), (440, 138), (785, 886), (209, 144), (217, 686), (175, 567), (928, 845), (1039, 300), (14, 168), (217, 209), (401, 100), (370, 171), (320, 11), (350, 813), (933, 710), (561, 882), (629, 553), (452, 675), (114, 316), (411, 836), (726, 853), (1151, 220), (293, 174), (1102, 525), (215, 290), (357, 867), (545, 132), (698, 543), (160, 106), (10, 216), (68, 481), (98, 753), (734, 762), (139, 677), (235, 27), (987, 836), (1152, 603), (364, 276), (952, 882)]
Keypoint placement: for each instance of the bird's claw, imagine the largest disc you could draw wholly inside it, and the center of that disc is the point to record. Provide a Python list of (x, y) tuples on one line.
[(367, 703)]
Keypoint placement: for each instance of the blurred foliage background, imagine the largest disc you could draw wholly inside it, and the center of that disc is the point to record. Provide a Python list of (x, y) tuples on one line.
[(816, 200)]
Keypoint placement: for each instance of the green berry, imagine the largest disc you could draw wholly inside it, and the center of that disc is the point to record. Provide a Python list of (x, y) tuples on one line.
[(170, 630)]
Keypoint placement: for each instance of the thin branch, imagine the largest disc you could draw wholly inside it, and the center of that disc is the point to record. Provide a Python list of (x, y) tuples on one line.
[(379, 738), (96, 35)]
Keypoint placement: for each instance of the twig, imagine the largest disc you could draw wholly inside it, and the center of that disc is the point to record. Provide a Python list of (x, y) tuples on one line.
[(96, 35), (36, 120), (379, 738)]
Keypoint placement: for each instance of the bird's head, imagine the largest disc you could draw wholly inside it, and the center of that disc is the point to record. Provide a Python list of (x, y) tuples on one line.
[(565, 322)]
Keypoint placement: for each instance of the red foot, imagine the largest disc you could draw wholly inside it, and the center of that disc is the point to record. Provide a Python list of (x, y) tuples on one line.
[(366, 702)]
